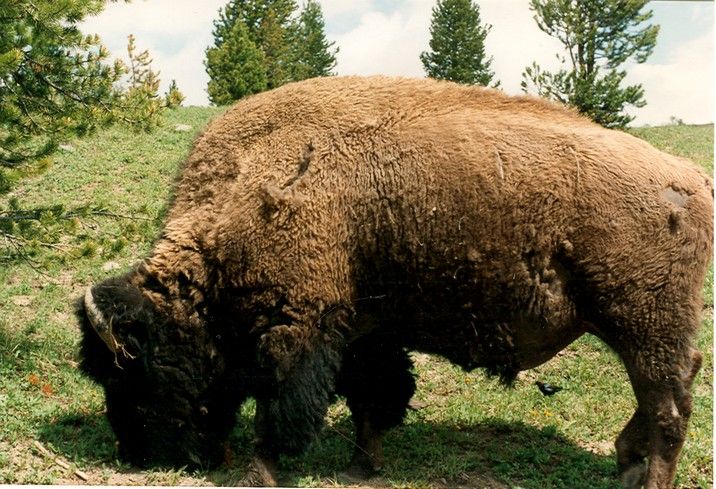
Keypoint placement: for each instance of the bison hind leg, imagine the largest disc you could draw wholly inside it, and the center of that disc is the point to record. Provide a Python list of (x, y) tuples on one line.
[(377, 381), (657, 430), (632, 450)]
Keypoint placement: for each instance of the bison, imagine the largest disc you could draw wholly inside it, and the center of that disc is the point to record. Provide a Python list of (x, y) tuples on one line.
[(321, 230)]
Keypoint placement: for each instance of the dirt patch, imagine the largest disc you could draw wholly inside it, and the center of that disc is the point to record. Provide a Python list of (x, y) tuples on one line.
[(22, 300), (463, 481), (599, 447), (473, 481), (109, 478), (67, 281)]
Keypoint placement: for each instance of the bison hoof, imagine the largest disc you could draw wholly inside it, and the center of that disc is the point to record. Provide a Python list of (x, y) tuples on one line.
[(633, 477), (354, 477), (360, 469), (259, 473)]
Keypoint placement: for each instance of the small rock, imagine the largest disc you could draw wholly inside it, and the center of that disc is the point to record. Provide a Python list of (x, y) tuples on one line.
[(416, 405), (110, 265), (81, 475), (22, 300), (183, 128)]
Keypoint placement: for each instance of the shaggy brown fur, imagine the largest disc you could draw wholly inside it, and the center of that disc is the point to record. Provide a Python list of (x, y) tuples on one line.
[(328, 220)]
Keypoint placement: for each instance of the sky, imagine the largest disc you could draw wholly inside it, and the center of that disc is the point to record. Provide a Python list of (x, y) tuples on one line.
[(387, 37)]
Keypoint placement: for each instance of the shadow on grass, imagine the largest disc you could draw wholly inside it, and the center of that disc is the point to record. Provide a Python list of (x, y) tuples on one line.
[(490, 454), (487, 454), (82, 438)]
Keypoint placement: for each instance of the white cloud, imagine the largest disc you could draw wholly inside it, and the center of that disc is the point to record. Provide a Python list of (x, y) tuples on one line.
[(336, 8), (515, 41), (683, 87), (176, 33), (384, 44), (155, 17), (191, 77), (392, 43)]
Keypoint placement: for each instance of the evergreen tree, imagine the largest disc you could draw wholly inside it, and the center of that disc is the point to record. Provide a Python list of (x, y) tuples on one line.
[(252, 14), (599, 36), (274, 43), (55, 82), (236, 67), (269, 26), (142, 93), (173, 98), (314, 55), (457, 44)]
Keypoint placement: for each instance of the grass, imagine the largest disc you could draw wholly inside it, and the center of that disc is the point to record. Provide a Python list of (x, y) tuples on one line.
[(471, 432), (692, 142)]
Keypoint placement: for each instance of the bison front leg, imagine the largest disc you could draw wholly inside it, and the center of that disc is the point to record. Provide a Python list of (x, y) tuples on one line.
[(298, 368), (262, 469), (377, 382), (658, 428)]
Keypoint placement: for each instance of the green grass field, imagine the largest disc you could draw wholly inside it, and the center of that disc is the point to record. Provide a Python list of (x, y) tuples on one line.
[(469, 432)]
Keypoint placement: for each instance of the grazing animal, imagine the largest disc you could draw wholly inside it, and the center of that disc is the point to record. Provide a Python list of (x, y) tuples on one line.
[(321, 230)]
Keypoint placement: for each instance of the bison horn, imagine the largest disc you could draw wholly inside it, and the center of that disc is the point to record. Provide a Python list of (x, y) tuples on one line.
[(95, 316), (101, 325)]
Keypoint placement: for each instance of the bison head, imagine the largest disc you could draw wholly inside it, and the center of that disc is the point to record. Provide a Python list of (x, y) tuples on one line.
[(169, 398)]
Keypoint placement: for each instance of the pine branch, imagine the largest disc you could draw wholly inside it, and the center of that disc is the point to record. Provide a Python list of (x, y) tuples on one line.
[(35, 214), (17, 244)]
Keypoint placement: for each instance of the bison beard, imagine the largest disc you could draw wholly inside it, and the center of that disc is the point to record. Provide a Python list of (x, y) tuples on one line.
[(322, 230)]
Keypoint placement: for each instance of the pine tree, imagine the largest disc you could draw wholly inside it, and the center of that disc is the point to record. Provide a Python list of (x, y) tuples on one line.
[(269, 26), (252, 14), (173, 98), (313, 54), (55, 82), (141, 97), (457, 44), (599, 36), (274, 43), (236, 67)]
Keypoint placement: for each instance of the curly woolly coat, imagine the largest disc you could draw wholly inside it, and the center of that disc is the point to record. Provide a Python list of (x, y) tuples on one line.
[(415, 214)]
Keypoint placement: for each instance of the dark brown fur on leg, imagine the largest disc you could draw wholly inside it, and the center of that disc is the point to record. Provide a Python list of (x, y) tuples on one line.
[(632, 451), (667, 435), (658, 428), (669, 425), (696, 361), (377, 381), (262, 470), (367, 458), (260, 473)]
